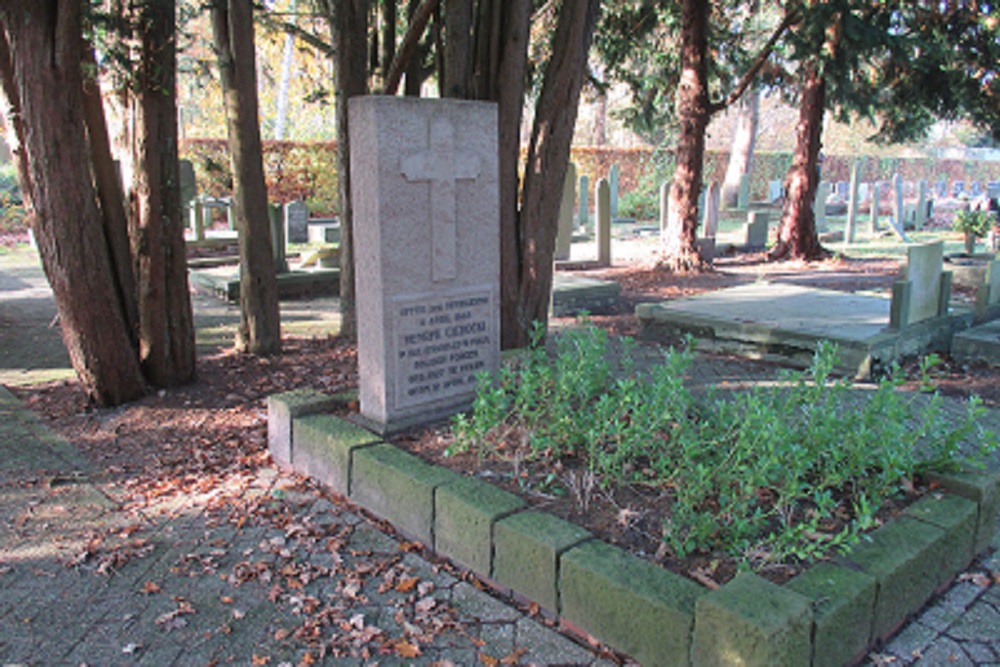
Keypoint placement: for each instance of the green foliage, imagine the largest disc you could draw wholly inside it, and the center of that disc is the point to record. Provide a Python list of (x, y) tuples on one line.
[(11, 209), (643, 201), (975, 222), (765, 474)]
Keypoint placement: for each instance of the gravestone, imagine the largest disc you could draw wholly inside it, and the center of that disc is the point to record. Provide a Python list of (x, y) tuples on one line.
[(743, 196), (852, 201), (584, 208), (277, 238), (873, 211), (941, 189), (864, 190), (898, 219), (924, 273), (774, 191), (189, 199), (425, 188), (988, 294), (710, 221), (975, 189), (613, 187), (296, 222), (664, 205), (756, 230), (957, 188), (921, 218), (602, 214), (564, 232), (993, 189), (819, 205), (842, 189)]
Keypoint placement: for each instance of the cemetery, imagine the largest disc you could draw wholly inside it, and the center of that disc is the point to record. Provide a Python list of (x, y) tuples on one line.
[(453, 334)]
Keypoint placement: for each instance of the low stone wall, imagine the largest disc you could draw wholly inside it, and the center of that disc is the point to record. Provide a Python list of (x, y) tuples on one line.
[(828, 615)]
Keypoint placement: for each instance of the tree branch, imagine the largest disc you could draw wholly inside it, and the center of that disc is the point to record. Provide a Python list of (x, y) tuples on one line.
[(791, 16), (410, 41), (312, 40)]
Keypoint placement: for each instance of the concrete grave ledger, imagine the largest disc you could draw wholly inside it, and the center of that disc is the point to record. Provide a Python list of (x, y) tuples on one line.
[(425, 187)]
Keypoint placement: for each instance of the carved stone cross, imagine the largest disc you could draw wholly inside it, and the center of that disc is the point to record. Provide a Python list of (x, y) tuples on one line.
[(442, 168)]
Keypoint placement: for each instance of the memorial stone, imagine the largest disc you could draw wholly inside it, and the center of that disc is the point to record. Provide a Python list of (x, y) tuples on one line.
[(756, 230), (277, 238), (852, 202), (941, 189), (957, 188), (710, 221), (296, 222), (564, 232), (819, 205), (993, 189), (774, 191), (921, 217), (584, 208), (924, 272), (743, 196), (873, 210), (613, 175), (425, 189), (975, 189), (664, 205), (843, 189), (602, 214), (898, 209)]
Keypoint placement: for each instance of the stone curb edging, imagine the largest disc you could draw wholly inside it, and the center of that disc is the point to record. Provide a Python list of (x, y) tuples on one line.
[(828, 615)]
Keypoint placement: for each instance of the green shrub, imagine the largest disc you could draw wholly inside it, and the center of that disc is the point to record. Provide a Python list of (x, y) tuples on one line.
[(976, 222), (763, 474)]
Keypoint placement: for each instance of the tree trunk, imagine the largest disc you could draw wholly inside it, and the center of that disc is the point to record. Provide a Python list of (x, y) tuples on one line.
[(741, 149), (45, 52), (680, 252), (458, 48), (797, 237), (166, 324), (349, 25), (548, 157), (260, 326)]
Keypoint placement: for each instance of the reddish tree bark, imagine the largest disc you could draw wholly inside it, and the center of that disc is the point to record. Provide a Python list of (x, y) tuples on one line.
[(797, 237), (680, 252), (260, 325), (44, 49)]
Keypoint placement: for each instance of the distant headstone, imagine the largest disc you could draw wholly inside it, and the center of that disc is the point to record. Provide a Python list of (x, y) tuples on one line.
[(564, 232), (189, 186), (921, 218), (613, 188), (873, 211), (819, 205), (993, 189), (584, 207), (664, 205), (864, 190), (842, 190), (277, 238), (941, 189), (323, 230), (924, 271), (957, 188), (602, 213), (743, 196), (975, 189), (853, 202), (756, 230), (710, 222), (988, 293), (425, 188), (898, 219), (296, 222), (775, 191)]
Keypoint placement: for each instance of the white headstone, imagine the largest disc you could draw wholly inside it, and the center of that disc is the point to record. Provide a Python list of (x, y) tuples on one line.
[(296, 222), (774, 191), (613, 189), (853, 201), (923, 269), (584, 208), (564, 232), (425, 189), (819, 205), (921, 218), (898, 210), (743, 196), (710, 221), (874, 210), (664, 205), (756, 230), (602, 213)]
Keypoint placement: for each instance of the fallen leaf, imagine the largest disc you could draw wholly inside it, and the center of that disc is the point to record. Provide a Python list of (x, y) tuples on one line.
[(425, 605), (225, 599), (407, 650), (307, 659), (407, 585), (281, 634), (260, 659), (487, 660), (514, 657), (150, 587)]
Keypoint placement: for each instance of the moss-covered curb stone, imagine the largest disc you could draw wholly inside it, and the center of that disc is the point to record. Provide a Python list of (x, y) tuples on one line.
[(958, 518), (904, 556), (827, 615), (527, 547), (982, 488), (753, 623), (641, 609), (843, 604), (323, 449), (464, 513), (282, 409), (398, 487)]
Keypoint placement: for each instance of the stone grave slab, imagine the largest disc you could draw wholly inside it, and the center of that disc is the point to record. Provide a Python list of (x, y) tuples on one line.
[(756, 230), (924, 264), (426, 195), (296, 222)]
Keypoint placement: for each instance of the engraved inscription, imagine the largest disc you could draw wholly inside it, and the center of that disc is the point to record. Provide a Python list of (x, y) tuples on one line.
[(441, 343)]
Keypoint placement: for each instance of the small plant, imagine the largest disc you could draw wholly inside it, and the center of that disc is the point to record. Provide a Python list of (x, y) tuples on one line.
[(789, 471), (976, 223)]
